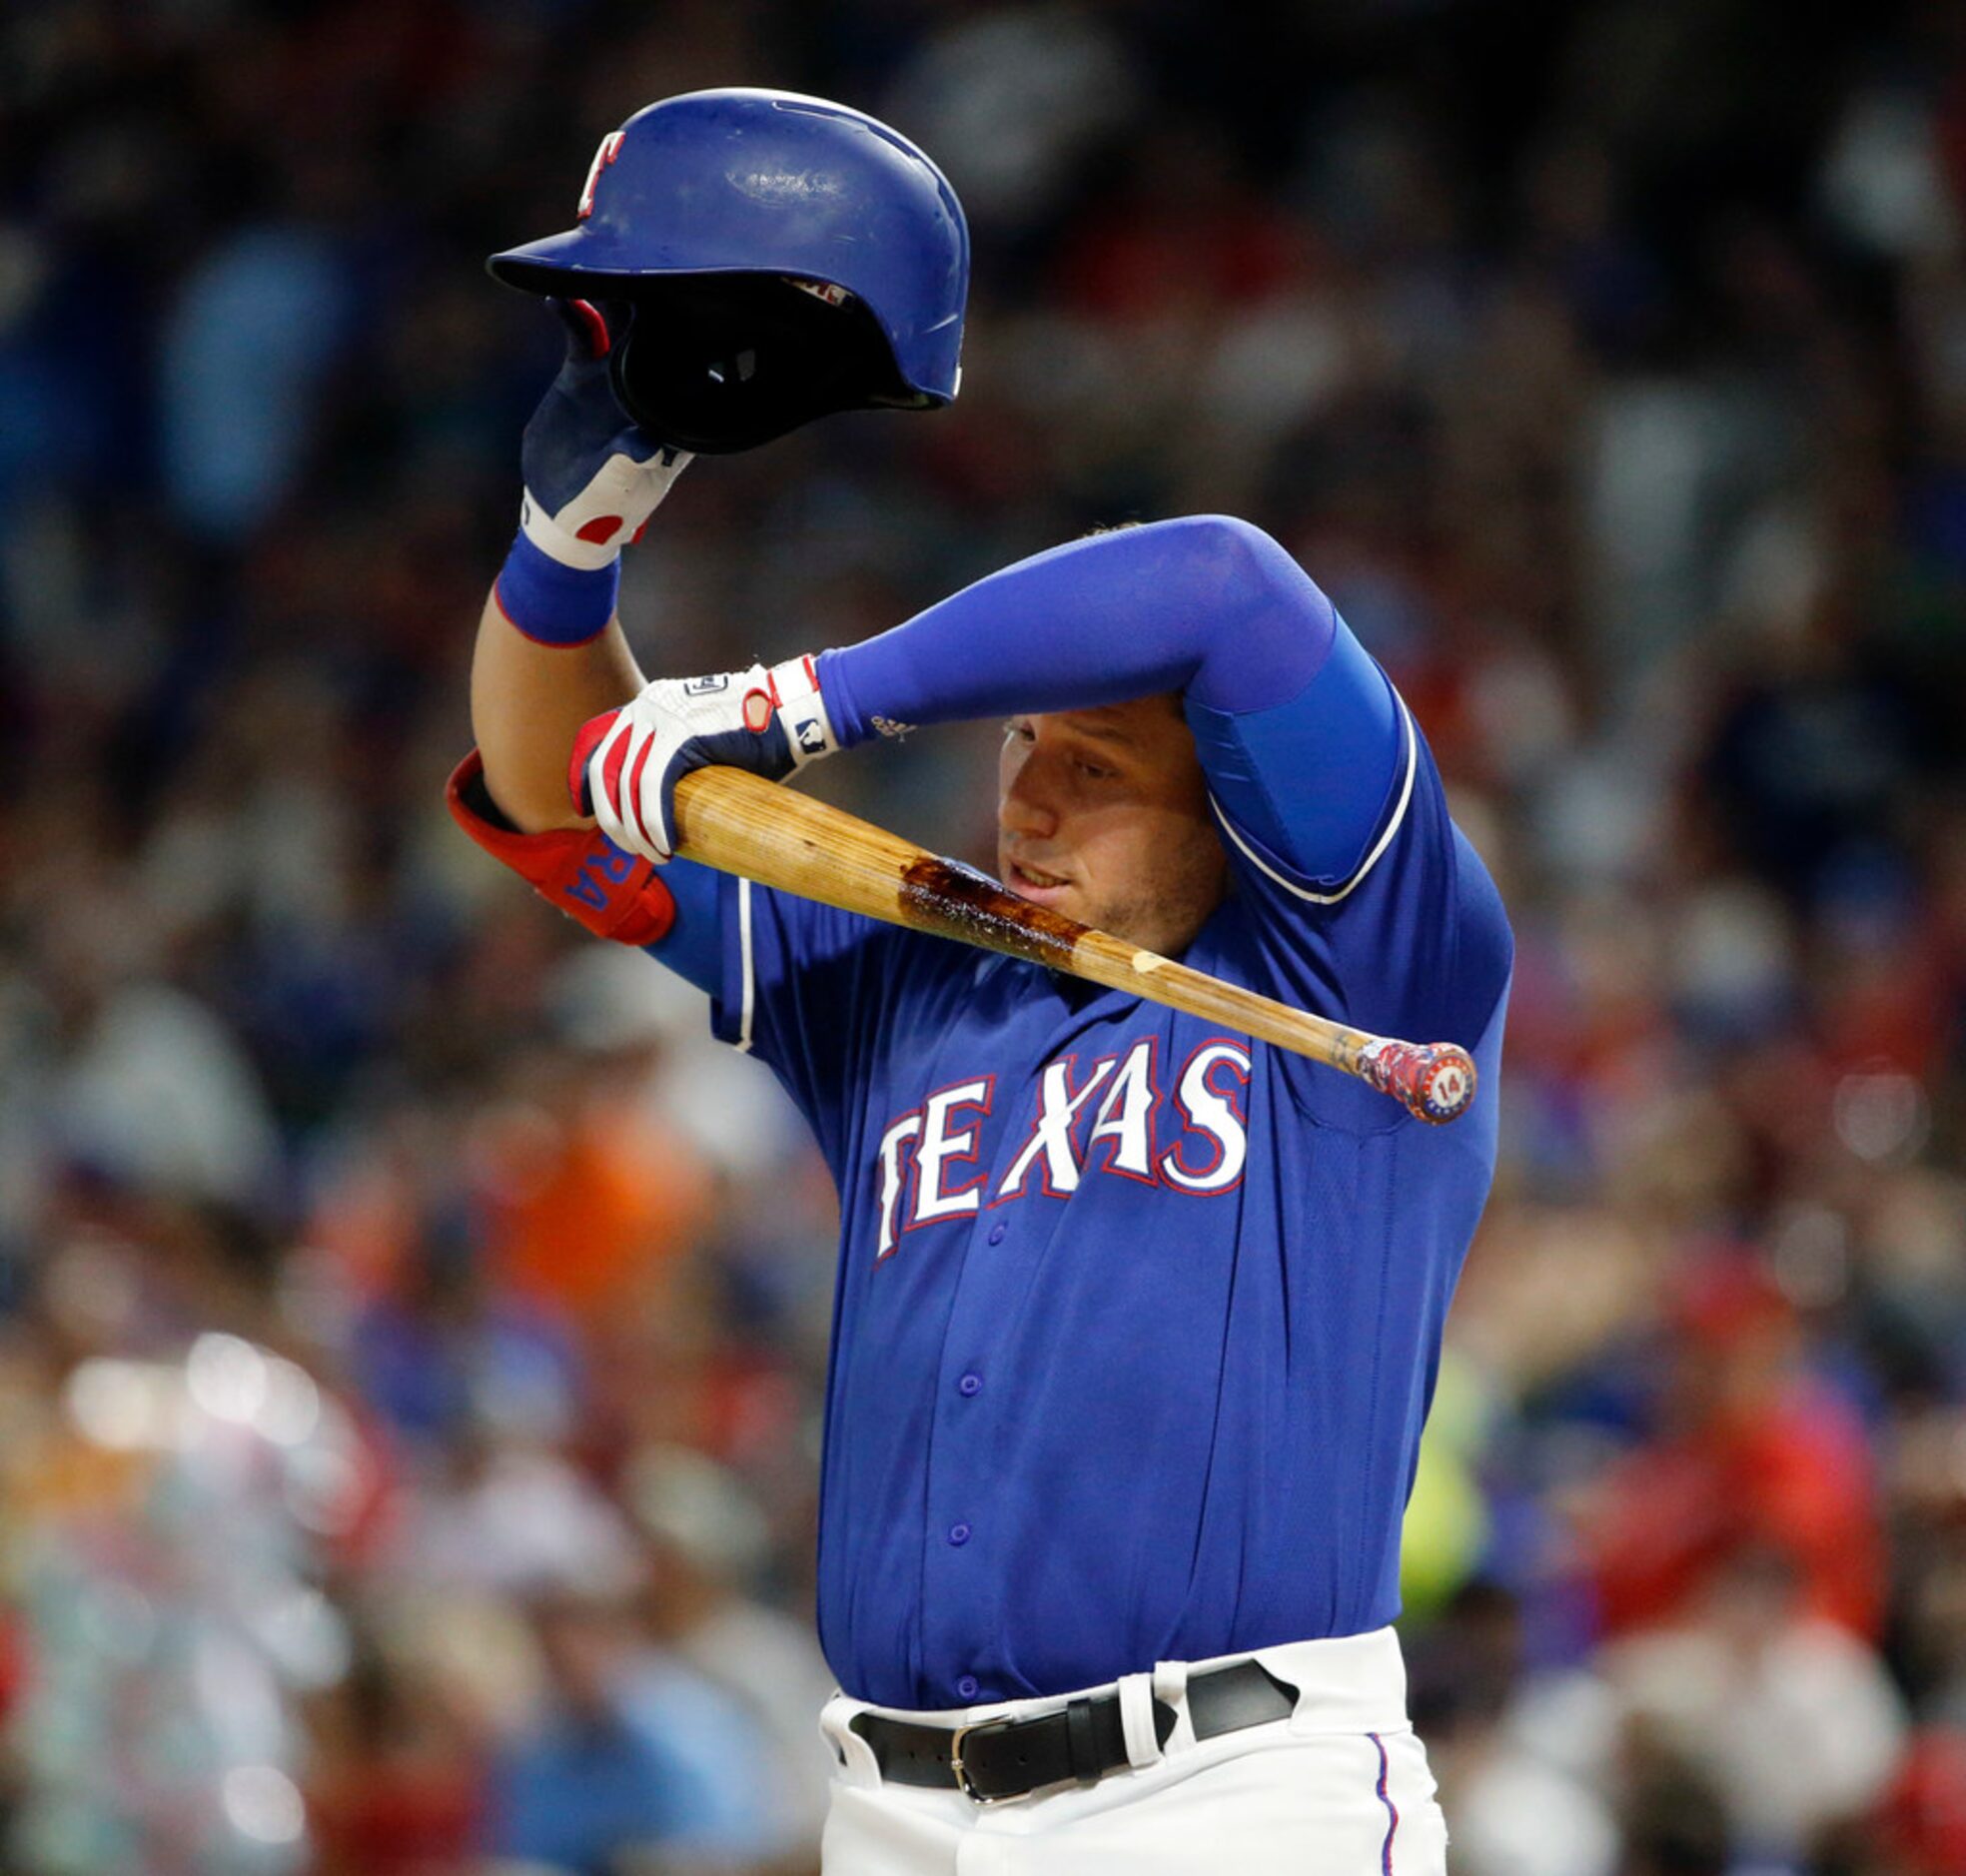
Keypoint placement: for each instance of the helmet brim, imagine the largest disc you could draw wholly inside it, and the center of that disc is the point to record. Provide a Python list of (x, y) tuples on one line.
[(586, 261), (588, 253)]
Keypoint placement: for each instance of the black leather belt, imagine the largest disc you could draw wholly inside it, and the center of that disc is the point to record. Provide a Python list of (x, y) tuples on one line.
[(1083, 1741)]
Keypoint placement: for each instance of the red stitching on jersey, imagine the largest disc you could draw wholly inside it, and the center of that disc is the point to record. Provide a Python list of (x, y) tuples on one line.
[(904, 1178), (915, 1222), (1245, 1069), (1111, 1144), (1079, 1116)]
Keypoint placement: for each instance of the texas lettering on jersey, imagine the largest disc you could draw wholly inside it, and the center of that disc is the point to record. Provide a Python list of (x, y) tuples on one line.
[(1115, 1118)]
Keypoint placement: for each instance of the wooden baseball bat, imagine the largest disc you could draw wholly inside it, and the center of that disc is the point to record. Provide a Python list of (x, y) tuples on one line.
[(740, 824)]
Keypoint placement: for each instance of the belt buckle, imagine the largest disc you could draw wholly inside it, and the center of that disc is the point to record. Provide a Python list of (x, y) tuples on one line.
[(964, 1784)]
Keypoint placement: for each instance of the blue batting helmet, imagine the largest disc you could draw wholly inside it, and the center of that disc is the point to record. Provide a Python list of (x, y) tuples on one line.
[(794, 192)]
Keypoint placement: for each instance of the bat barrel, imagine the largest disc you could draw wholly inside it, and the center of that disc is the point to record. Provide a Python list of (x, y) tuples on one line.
[(958, 902)]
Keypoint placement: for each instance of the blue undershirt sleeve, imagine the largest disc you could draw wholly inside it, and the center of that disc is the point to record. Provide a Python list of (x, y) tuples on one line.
[(1308, 782), (1298, 729), (693, 947)]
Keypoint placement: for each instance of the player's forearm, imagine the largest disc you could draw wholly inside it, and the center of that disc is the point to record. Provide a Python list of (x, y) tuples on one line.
[(1204, 605), (1298, 731), (529, 701), (549, 651)]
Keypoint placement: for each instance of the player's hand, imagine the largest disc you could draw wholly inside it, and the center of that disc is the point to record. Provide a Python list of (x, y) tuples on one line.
[(626, 764), (593, 478)]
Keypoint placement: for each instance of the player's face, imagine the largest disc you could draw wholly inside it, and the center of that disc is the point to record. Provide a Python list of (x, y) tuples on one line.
[(1102, 815)]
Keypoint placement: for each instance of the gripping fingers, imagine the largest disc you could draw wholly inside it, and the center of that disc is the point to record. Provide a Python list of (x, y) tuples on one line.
[(586, 328), (642, 798), (603, 778), (592, 480), (593, 732), (625, 765), (612, 778)]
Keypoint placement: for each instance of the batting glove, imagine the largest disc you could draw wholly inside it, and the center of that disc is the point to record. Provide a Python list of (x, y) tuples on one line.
[(593, 478), (626, 763)]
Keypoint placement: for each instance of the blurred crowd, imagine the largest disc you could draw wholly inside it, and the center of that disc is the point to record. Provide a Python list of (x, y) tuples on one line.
[(412, 1325)]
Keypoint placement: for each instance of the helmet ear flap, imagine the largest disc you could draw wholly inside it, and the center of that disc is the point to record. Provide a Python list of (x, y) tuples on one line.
[(720, 363)]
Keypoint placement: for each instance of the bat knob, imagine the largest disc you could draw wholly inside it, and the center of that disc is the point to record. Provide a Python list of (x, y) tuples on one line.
[(1433, 1081)]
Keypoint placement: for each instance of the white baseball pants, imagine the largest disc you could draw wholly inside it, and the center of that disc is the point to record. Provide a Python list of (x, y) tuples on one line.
[(1338, 1788)]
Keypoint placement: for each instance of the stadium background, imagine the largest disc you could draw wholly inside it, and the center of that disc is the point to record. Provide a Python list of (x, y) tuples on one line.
[(411, 1327)]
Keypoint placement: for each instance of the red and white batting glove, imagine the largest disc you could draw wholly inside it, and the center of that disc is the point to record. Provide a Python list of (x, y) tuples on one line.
[(626, 764), (593, 478)]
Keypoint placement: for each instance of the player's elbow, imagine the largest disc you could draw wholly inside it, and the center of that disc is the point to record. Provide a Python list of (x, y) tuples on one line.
[(1263, 607), (534, 798), (1238, 565), (1229, 534), (1225, 541), (1217, 559)]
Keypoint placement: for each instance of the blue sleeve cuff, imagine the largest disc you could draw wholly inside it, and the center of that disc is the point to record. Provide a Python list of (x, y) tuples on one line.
[(553, 604), (842, 708), (693, 945)]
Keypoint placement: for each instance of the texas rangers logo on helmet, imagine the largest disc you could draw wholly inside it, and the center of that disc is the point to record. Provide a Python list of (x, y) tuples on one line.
[(610, 148)]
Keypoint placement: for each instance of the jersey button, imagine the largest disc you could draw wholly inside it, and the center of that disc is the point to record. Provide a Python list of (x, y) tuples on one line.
[(968, 1687), (997, 1231), (958, 1533), (970, 1385)]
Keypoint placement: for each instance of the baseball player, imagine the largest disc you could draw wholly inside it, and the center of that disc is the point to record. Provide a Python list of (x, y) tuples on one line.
[(1137, 1321)]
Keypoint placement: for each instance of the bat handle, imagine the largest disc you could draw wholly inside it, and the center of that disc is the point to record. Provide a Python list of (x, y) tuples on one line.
[(1433, 1081)]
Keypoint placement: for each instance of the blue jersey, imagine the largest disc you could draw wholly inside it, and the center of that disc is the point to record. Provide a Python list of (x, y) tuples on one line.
[(1137, 1319)]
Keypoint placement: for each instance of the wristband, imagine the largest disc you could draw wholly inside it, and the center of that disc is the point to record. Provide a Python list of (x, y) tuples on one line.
[(801, 706), (553, 604)]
